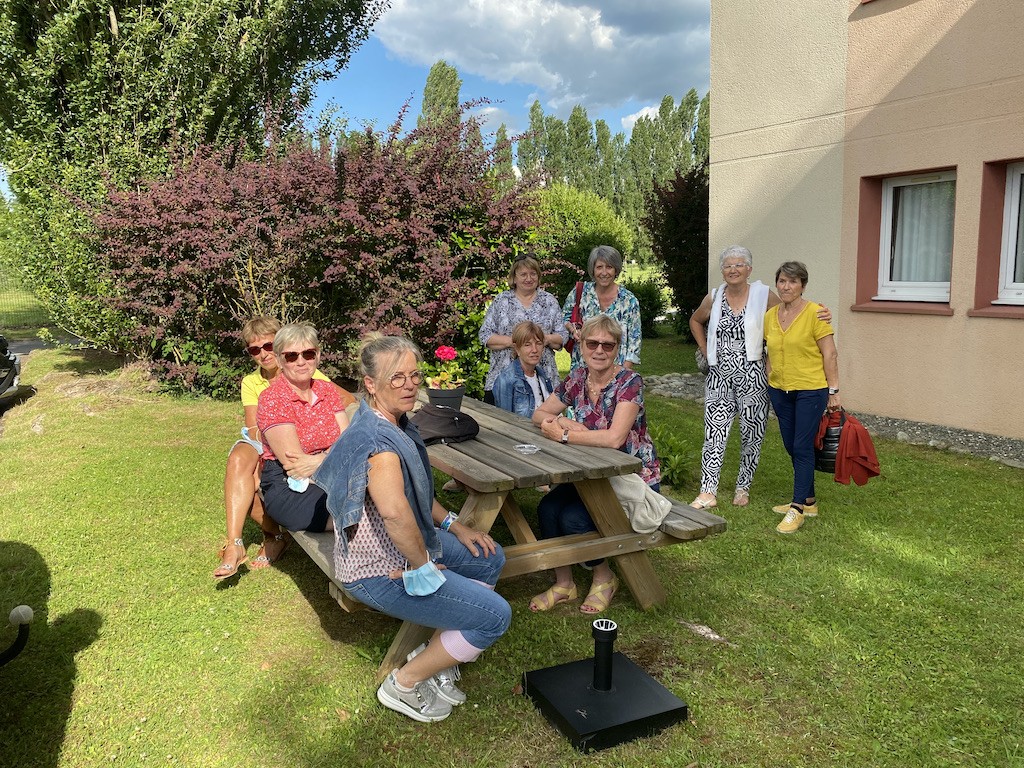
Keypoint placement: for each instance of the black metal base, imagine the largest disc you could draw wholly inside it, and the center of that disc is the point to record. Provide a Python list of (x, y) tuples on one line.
[(636, 706)]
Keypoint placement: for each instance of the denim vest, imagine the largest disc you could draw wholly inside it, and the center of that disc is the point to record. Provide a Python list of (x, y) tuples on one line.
[(513, 393), (344, 473)]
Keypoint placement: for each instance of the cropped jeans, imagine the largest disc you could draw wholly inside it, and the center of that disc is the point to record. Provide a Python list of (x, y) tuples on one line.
[(462, 603), (799, 412)]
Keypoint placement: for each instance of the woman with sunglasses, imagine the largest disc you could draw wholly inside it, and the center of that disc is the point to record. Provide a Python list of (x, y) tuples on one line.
[(243, 470), (525, 300), (299, 418), (607, 401), (398, 550)]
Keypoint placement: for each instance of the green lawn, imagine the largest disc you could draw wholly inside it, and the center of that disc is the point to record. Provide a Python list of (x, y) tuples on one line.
[(19, 308), (885, 633)]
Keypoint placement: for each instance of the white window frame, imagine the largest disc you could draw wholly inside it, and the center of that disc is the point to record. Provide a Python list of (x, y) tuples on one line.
[(1011, 291), (902, 290)]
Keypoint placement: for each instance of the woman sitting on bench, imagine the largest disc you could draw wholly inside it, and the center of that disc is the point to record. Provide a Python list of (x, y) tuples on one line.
[(608, 411), (391, 531), (299, 417), (243, 470)]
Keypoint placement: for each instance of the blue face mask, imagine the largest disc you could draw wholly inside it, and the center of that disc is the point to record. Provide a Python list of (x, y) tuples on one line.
[(298, 484), (425, 580)]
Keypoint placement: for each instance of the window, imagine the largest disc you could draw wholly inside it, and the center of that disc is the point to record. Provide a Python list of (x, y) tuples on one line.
[(1011, 259), (916, 247)]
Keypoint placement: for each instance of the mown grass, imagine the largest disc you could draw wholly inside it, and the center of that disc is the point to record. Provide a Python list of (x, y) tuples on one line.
[(19, 308), (886, 632)]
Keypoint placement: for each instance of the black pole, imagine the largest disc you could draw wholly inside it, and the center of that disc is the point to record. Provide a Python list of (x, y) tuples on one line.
[(604, 633)]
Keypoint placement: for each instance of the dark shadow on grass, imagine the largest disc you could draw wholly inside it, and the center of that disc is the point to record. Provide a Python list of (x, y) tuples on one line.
[(37, 687), (89, 361)]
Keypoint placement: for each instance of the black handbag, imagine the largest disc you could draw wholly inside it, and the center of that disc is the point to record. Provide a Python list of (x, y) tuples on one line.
[(441, 424), (825, 454)]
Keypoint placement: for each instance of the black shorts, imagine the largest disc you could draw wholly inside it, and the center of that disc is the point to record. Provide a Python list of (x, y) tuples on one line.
[(295, 511)]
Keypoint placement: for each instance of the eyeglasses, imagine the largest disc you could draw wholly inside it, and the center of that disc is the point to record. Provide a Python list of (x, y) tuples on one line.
[(521, 257), (255, 349), (729, 267), (399, 379), (291, 357), (607, 346)]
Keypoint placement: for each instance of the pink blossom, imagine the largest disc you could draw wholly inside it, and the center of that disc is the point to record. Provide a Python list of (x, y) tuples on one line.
[(445, 353)]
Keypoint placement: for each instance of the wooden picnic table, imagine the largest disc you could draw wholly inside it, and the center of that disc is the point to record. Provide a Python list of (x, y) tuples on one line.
[(490, 469)]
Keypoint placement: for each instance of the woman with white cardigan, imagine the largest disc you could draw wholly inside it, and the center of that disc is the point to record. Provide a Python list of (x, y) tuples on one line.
[(736, 383)]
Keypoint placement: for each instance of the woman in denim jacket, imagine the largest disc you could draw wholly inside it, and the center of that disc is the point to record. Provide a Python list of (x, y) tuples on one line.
[(522, 386), (397, 549)]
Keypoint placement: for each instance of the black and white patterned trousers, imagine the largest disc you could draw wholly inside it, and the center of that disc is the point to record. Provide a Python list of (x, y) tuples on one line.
[(743, 392)]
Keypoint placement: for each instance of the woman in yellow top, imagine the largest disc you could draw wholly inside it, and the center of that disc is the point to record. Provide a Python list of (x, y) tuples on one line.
[(803, 380)]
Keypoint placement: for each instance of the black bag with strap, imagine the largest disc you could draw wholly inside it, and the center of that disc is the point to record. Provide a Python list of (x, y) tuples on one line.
[(441, 424), (825, 456)]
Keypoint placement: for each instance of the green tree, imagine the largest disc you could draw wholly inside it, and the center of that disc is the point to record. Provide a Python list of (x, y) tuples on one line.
[(504, 170), (571, 222), (554, 157), (581, 150), (441, 93), (702, 133), (604, 177), (95, 94), (530, 147)]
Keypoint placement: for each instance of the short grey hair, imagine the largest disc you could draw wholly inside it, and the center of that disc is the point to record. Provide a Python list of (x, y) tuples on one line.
[(605, 323), (296, 333), (608, 255), (736, 252)]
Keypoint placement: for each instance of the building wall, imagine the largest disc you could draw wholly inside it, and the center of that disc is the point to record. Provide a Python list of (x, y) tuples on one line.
[(776, 136), (843, 97)]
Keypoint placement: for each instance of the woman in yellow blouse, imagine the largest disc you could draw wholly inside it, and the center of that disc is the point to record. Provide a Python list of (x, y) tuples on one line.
[(803, 380)]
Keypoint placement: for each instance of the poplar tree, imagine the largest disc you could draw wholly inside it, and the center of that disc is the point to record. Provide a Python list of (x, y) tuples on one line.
[(440, 93), (581, 150)]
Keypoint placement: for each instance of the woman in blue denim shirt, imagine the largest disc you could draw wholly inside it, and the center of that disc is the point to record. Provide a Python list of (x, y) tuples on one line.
[(397, 549), (522, 386)]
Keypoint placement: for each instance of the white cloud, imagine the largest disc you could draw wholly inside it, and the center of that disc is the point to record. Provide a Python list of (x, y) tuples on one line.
[(630, 120), (601, 53)]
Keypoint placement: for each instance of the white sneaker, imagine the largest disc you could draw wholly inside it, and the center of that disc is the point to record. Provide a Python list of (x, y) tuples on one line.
[(421, 703), (444, 681)]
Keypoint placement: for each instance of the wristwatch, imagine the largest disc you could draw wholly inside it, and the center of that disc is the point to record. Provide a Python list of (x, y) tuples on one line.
[(833, 390), (565, 436)]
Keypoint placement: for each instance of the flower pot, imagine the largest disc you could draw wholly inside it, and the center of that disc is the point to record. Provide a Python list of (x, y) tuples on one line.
[(451, 398)]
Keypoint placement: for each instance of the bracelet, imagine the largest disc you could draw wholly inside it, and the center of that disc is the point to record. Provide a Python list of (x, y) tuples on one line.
[(450, 518)]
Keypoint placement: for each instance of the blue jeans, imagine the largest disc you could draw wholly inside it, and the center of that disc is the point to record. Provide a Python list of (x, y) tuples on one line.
[(799, 412), (562, 513), (462, 604)]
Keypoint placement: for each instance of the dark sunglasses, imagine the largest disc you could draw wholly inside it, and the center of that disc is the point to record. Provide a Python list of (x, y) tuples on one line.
[(607, 346), (256, 348), (291, 357)]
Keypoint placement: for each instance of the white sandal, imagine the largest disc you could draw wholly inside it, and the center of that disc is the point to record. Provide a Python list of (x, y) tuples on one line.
[(700, 503)]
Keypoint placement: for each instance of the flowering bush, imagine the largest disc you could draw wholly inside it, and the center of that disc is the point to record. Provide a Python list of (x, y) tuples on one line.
[(446, 373)]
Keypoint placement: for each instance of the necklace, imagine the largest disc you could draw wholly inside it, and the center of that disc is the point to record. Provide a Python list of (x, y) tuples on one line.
[(594, 388)]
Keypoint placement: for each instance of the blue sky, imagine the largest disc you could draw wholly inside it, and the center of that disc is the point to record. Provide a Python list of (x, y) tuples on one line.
[(613, 57)]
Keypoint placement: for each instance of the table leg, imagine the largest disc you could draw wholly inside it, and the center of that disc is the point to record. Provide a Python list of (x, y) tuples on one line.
[(480, 510), (609, 517)]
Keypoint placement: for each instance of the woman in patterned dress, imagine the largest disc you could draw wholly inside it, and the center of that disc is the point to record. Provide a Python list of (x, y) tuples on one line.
[(736, 384), (525, 300), (607, 401), (604, 296)]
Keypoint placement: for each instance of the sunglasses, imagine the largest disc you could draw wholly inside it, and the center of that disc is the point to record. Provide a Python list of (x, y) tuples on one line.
[(291, 357), (607, 346), (255, 349)]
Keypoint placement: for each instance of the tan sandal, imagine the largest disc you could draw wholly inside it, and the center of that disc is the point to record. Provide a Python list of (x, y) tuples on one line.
[(552, 597), (700, 503), (741, 498), (226, 570), (262, 560), (600, 596)]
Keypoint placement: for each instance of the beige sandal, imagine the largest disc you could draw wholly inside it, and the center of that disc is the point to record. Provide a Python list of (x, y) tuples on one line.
[(741, 498), (700, 503), (226, 570), (545, 601)]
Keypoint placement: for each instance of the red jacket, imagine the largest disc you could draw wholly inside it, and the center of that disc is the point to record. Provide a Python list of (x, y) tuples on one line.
[(856, 458)]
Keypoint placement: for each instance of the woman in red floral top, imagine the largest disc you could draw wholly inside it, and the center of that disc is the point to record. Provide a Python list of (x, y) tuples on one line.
[(608, 411), (299, 418)]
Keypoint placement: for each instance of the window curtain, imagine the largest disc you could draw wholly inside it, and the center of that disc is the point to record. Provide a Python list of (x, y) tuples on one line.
[(922, 232), (1018, 255)]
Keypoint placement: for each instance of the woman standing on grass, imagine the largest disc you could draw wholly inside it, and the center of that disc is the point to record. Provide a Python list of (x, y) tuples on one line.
[(525, 300), (803, 379), (604, 296), (391, 531), (736, 383)]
